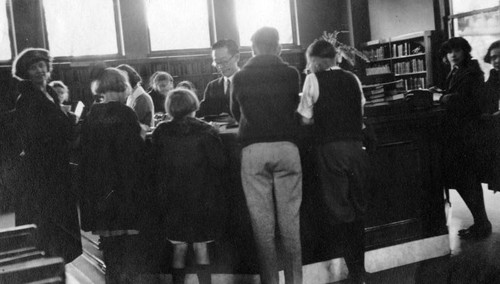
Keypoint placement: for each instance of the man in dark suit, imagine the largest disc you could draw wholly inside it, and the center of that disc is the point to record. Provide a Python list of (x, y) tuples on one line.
[(225, 54)]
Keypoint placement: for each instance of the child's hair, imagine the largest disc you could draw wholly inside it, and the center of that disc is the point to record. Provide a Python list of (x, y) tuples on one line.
[(187, 85), (322, 49), (160, 76), (59, 84), (459, 43), (133, 77), (181, 102), (494, 45), (111, 80)]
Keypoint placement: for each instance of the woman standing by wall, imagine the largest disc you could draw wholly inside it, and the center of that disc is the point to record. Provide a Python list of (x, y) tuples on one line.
[(45, 196)]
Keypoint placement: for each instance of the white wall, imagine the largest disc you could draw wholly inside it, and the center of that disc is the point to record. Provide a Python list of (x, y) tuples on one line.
[(390, 18)]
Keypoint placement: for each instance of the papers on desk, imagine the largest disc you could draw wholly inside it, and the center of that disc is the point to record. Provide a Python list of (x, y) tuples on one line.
[(79, 110)]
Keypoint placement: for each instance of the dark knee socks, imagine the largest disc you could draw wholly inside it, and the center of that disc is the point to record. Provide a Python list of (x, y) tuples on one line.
[(204, 273), (178, 275), (472, 194), (354, 254)]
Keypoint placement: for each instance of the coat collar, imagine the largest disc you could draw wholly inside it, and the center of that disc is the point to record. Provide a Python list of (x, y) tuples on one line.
[(470, 68), (27, 89), (265, 60)]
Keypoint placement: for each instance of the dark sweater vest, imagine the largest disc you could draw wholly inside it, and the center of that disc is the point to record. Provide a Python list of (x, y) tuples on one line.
[(337, 112)]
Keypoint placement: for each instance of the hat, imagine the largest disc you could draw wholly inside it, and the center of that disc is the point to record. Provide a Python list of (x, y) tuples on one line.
[(27, 57)]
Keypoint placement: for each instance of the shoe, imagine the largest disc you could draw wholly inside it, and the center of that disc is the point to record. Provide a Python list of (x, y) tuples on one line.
[(467, 231), (476, 232)]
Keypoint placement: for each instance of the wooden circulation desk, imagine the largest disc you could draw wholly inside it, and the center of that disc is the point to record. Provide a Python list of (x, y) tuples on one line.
[(406, 204)]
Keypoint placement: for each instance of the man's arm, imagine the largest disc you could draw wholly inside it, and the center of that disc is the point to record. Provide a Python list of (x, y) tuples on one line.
[(204, 104), (233, 98), (143, 110)]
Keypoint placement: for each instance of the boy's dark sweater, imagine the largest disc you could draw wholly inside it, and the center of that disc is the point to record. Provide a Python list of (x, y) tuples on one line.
[(264, 100)]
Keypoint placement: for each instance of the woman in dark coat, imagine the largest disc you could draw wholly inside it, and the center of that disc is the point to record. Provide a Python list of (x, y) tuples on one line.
[(113, 190), (489, 140), (462, 98), (188, 177), (45, 196)]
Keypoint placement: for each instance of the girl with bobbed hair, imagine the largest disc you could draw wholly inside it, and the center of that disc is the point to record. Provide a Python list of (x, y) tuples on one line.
[(44, 195), (160, 83), (463, 99), (113, 191), (190, 162), (493, 84), (139, 100)]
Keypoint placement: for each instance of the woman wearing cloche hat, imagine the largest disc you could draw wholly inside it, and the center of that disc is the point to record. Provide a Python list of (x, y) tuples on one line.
[(44, 197)]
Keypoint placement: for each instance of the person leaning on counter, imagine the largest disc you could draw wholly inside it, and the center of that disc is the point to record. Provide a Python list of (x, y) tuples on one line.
[(332, 100), (264, 99)]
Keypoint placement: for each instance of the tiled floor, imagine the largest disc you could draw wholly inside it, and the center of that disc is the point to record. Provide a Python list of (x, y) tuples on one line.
[(470, 261)]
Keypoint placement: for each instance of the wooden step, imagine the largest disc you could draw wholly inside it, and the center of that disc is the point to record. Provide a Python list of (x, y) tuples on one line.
[(42, 269), (16, 258), (17, 238)]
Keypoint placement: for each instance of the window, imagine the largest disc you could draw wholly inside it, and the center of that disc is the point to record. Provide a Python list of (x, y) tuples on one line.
[(254, 14), (178, 24), (5, 51), (461, 6), (479, 23), (81, 27)]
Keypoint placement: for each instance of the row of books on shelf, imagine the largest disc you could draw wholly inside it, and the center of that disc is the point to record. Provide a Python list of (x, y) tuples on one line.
[(405, 49), (377, 70), (375, 53), (410, 66), (414, 83)]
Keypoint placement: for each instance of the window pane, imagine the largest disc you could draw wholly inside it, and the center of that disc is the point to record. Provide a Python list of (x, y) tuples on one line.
[(254, 14), (461, 6), (178, 24), (5, 52), (81, 27), (480, 31)]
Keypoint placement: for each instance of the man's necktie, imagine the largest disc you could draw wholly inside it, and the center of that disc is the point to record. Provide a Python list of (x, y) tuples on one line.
[(228, 88)]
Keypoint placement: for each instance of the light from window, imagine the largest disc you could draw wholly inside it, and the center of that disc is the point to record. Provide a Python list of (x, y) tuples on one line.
[(480, 30), (254, 14), (178, 24), (461, 6), (5, 52), (80, 27)]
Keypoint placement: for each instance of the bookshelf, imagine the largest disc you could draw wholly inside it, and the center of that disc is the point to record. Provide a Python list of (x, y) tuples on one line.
[(399, 64)]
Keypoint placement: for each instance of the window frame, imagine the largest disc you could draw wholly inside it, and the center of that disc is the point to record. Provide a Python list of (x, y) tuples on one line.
[(11, 31), (119, 39), (188, 51), (295, 45), (453, 17)]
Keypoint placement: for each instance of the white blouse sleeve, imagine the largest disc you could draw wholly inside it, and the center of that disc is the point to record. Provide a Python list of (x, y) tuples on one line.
[(310, 94)]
